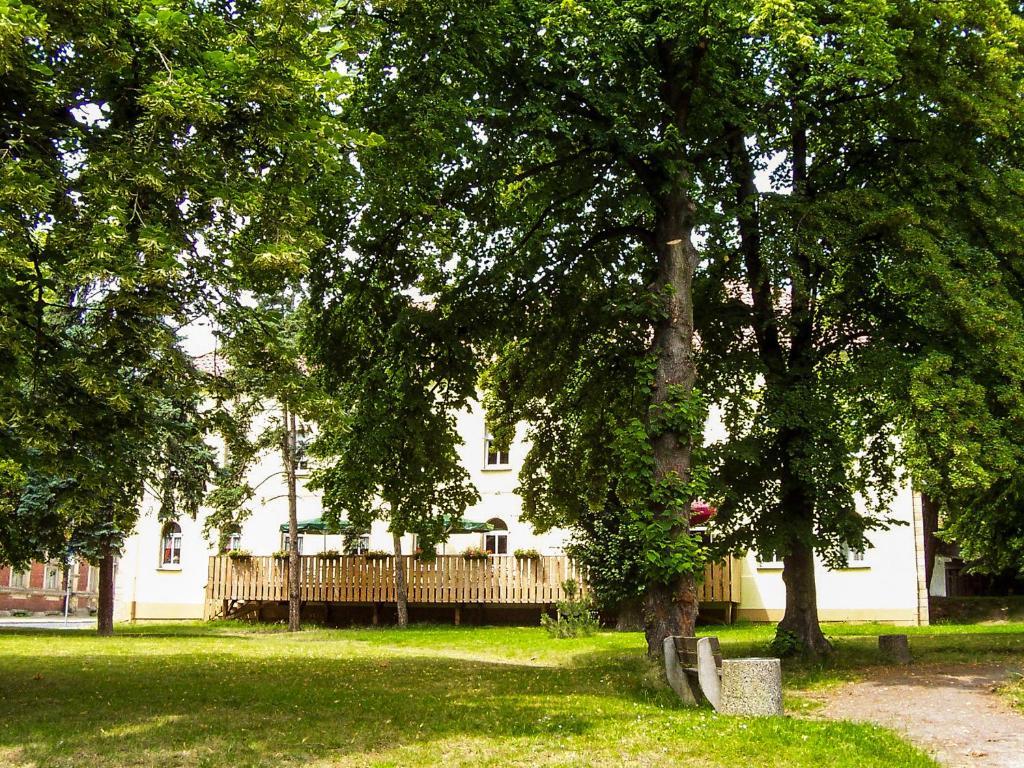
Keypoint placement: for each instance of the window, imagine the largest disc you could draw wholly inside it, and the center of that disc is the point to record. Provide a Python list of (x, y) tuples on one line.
[(284, 541), (854, 557), (51, 578), (769, 560), (302, 453), (303, 438), (357, 544), (20, 579), (493, 457), (231, 539), (496, 541), (170, 548)]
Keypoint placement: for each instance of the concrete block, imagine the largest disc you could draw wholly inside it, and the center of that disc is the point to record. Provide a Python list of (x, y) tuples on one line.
[(895, 649), (751, 687)]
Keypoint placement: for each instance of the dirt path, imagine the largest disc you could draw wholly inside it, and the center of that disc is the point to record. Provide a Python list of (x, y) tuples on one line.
[(951, 711)]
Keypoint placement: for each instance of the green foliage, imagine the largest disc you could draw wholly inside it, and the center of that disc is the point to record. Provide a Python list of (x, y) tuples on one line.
[(475, 553), (239, 554), (574, 617), (527, 554), (153, 157)]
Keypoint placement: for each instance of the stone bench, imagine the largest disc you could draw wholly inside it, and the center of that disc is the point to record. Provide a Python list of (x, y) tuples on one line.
[(697, 673)]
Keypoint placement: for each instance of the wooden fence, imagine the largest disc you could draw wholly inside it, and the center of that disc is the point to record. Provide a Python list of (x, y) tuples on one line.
[(500, 579)]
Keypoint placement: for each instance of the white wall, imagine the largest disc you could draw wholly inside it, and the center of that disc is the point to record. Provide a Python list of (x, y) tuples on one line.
[(883, 588), (146, 589)]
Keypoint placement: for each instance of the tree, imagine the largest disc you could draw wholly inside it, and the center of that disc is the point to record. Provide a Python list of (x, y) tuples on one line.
[(159, 157), (271, 402), (389, 453), (561, 179)]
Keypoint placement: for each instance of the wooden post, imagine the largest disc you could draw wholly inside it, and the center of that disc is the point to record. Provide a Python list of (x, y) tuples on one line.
[(458, 615), (376, 615)]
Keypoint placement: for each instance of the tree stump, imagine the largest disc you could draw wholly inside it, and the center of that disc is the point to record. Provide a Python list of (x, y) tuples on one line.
[(751, 687), (894, 649)]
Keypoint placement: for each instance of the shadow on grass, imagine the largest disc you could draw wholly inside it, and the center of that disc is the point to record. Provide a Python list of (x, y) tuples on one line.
[(204, 703)]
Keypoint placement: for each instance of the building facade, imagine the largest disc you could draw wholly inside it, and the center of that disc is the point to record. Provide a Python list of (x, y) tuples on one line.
[(43, 588), (164, 569)]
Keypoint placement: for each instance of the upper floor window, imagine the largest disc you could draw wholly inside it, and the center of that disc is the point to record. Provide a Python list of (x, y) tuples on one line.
[(854, 557), (170, 547), (496, 541), (494, 457)]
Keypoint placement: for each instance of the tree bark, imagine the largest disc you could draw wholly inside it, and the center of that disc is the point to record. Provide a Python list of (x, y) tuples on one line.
[(105, 606), (401, 587), (799, 632), (930, 524), (671, 609), (294, 559), (629, 617)]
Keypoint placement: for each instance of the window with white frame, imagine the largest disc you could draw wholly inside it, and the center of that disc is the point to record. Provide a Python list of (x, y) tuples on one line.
[(20, 579), (496, 541), (769, 560), (284, 541), (854, 558), (51, 577), (170, 545), (494, 457), (231, 538), (357, 544)]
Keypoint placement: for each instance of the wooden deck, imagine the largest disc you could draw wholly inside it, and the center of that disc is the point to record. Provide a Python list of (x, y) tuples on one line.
[(450, 579)]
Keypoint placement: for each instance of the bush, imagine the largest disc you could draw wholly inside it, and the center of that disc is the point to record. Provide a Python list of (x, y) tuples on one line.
[(527, 554), (239, 554), (330, 554), (475, 553), (377, 554), (575, 617), (281, 554)]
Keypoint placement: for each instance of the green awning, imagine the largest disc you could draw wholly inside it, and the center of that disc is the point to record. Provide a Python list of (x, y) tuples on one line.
[(317, 525), (462, 525)]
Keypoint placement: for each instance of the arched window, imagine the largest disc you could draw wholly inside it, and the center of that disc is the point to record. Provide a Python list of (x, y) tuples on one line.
[(230, 538), (496, 541), (170, 547)]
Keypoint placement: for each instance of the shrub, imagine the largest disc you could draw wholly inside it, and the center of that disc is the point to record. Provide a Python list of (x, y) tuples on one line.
[(575, 617), (330, 554), (377, 554), (239, 554), (475, 553), (527, 554), (281, 554)]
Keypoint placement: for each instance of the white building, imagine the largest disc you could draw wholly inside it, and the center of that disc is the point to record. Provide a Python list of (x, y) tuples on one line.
[(164, 569)]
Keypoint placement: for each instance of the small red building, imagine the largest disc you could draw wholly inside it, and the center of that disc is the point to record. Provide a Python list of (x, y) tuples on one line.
[(43, 587)]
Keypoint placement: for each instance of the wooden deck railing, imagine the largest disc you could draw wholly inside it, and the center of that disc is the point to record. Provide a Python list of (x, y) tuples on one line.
[(502, 579)]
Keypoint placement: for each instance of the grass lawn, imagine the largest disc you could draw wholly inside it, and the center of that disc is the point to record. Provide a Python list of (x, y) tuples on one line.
[(233, 695)]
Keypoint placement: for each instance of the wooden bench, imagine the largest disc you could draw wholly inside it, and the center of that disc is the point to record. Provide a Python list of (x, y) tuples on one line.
[(693, 666)]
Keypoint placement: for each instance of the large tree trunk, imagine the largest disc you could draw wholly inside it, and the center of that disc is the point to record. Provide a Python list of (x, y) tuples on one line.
[(799, 633), (294, 559), (401, 587), (105, 607), (629, 617), (671, 609)]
